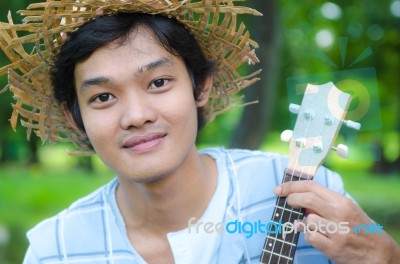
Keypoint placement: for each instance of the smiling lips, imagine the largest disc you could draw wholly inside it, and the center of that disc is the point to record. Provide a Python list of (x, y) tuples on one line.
[(144, 143)]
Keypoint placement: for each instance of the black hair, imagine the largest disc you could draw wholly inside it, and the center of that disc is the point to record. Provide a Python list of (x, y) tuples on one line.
[(80, 44)]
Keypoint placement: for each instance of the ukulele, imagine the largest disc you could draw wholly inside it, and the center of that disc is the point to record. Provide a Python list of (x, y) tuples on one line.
[(320, 117)]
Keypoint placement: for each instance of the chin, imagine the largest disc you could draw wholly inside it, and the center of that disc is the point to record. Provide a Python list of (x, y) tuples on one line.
[(149, 178)]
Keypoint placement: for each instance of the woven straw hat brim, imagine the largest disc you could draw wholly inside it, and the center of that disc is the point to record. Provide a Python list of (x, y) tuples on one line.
[(32, 45)]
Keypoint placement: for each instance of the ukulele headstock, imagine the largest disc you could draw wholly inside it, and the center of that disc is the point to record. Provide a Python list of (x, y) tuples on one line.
[(320, 117)]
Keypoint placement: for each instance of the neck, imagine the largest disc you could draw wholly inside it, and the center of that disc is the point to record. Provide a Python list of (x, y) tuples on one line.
[(279, 247), (167, 204)]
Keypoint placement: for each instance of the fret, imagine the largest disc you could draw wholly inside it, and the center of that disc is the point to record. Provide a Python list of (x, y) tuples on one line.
[(275, 246), (278, 245), (274, 259), (296, 176), (286, 213), (296, 211), (280, 240), (272, 237), (278, 255)]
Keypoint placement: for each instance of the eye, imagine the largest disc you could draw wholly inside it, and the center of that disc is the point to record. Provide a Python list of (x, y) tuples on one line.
[(159, 83), (102, 98)]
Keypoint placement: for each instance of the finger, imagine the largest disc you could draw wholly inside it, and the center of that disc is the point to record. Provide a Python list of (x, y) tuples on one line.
[(305, 186), (315, 223), (319, 241), (310, 201), (308, 211)]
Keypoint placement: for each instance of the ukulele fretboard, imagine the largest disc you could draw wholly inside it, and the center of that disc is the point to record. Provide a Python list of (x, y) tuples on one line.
[(280, 243)]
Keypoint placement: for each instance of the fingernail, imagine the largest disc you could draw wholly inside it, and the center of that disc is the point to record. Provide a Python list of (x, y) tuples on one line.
[(278, 190)]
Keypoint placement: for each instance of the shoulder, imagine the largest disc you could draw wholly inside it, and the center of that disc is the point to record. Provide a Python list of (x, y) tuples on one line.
[(74, 228), (238, 154), (250, 166), (244, 159), (257, 166)]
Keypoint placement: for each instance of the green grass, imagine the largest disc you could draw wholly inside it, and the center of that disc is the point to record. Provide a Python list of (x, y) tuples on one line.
[(29, 195), (42, 192), (378, 195)]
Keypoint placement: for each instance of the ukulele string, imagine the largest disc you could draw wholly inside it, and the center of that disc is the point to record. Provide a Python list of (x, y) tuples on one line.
[(274, 236), (308, 176), (291, 175), (285, 204), (302, 146), (275, 213)]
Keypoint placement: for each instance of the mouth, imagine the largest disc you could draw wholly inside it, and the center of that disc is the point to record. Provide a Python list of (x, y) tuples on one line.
[(144, 143)]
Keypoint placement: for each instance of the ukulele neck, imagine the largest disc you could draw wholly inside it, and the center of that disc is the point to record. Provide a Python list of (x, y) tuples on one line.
[(280, 244)]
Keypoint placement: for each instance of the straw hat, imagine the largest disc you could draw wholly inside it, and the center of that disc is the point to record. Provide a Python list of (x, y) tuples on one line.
[(213, 23)]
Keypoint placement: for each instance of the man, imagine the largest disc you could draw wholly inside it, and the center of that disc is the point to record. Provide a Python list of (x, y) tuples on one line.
[(133, 82)]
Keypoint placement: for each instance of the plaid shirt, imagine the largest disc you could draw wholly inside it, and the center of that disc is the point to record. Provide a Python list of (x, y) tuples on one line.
[(92, 229)]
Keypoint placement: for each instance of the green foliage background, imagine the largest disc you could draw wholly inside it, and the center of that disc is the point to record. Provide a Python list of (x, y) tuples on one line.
[(33, 187)]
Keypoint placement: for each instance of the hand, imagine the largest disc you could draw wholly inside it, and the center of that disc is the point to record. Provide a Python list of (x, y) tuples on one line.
[(324, 206)]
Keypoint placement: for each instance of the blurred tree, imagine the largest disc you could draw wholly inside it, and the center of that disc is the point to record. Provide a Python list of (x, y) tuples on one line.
[(256, 119), (14, 146), (388, 65), (85, 163), (8, 153), (316, 27), (8, 139)]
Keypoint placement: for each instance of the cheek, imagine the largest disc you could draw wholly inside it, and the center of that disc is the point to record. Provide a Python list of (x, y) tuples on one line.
[(188, 120), (98, 129), (183, 110)]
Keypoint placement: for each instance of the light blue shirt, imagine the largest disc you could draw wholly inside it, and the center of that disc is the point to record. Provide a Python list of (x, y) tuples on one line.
[(92, 229)]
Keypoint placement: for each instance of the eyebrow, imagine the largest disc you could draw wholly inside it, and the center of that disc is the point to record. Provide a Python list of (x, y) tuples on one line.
[(96, 81), (101, 80), (161, 62)]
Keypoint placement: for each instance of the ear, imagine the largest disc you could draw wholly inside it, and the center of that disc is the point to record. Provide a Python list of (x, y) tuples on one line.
[(205, 93), (68, 115)]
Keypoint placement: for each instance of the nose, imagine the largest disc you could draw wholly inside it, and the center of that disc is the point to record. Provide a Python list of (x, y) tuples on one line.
[(137, 111)]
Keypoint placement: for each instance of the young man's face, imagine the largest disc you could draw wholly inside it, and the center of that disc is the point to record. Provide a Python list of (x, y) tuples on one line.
[(138, 108)]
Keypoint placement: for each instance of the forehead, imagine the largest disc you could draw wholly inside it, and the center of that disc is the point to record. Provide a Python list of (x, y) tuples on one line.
[(137, 37), (139, 45), (140, 40)]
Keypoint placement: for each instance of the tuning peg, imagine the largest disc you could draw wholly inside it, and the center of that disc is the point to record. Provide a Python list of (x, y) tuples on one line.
[(286, 135), (294, 108), (352, 124), (342, 151)]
